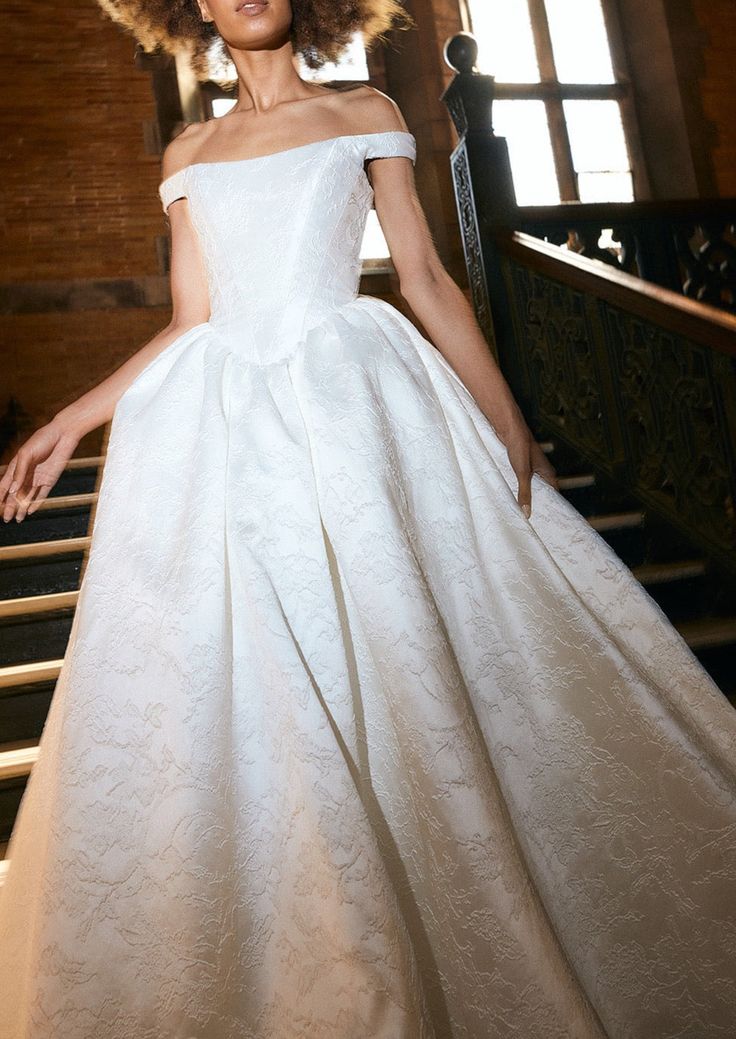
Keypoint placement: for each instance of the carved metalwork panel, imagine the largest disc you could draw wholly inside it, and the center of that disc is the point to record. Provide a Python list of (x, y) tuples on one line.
[(649, 407), (673, 415), (707, 253), (554, 335)]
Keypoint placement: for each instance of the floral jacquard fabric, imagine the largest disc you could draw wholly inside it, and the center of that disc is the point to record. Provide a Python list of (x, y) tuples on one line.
[(344, 746)]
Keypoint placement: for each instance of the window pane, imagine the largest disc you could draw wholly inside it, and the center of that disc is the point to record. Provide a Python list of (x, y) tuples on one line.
[(373, 246), (524, 125), (580, 41), (596, 136), (505, 40), (352, 64), (605, 187), (222, 105)]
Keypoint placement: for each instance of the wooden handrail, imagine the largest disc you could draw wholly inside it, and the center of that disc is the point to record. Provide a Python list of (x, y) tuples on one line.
[(699, 322), (603, 213)]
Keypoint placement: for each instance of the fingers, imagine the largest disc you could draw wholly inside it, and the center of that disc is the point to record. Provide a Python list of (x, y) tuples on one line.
[(524, 495), (14, 502), (527, 457), (7, 479), (520, 459), (25, 502), (9, 487), (43, 493), (19, 497), (21, 462), (543, 467), (12, 482)]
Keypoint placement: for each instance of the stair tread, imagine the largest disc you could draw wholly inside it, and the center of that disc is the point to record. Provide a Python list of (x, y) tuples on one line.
[(708, 631), (45, 603), (17, 761), (569, 483), (616, 520), (89, 462), (661, 573), (27, 674), (39, 549), (66, 501)]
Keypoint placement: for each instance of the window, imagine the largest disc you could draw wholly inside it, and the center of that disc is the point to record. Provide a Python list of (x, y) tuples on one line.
[(352, 67), (561, 102)]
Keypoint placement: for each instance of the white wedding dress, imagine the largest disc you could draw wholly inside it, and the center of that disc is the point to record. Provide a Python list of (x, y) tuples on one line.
[(344, 746)]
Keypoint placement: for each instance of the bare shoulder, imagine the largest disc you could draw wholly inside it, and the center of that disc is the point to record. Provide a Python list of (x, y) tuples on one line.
[(180, 151), (369, 110)]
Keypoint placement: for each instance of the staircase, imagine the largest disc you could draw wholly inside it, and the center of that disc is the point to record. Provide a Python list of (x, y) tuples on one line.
[(41, 561)]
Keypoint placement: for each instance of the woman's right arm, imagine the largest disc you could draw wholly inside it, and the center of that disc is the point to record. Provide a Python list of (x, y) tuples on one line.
[(40, 461)]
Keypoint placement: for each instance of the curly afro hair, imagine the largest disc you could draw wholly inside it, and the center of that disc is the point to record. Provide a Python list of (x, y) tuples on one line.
[(320, 29)]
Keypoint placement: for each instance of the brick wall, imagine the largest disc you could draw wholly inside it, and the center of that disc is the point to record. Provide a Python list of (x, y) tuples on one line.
[(79, 197), (84, 189)]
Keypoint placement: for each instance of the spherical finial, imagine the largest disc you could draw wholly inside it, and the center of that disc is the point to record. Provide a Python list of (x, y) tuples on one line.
[(461, 52)]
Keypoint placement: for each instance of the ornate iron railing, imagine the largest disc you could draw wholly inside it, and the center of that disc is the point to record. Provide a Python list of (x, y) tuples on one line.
[(622, 360)]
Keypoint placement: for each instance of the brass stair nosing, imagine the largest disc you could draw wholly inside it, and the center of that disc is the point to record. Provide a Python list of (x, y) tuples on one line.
[(571, 483), (616, 521), (30, 604), (16, 675), (40, 549), (710, 633), (667, 573), (14, 764)]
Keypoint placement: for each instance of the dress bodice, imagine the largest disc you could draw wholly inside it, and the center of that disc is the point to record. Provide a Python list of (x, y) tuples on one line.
[(281, 234)]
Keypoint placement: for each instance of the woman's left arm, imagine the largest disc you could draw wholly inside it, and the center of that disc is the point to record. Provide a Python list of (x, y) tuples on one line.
[(441, 306)]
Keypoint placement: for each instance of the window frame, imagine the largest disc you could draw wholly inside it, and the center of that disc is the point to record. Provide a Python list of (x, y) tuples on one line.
[(552, 92)]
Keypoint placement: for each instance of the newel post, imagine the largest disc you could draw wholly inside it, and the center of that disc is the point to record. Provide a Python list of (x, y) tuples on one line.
[(481, 174)]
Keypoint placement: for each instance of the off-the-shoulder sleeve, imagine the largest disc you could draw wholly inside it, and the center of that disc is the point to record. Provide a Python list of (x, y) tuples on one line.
[(172, 188), (389, 143)]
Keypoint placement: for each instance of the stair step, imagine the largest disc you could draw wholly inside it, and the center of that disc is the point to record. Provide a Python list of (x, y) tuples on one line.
[(67, 501), (39, 572), (25, 709), (32, 604), (709, 632), (574, 483), (663, 573), (67, 518), (29, 674), (43, 549), (27, 636), (17, 761), (616, 521), (91, 462)]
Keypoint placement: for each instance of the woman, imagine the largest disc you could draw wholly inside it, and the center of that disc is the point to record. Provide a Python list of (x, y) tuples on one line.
[(348, 741)]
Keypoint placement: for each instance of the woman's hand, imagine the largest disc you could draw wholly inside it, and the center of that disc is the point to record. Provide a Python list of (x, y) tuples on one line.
[(527, 457), (34, 469)]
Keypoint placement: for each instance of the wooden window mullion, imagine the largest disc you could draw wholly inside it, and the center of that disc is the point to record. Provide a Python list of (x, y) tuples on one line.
[(629, 117), (561, 149)]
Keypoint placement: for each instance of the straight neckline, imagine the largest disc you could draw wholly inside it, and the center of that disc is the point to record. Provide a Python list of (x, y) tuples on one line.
[(285, 151)]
